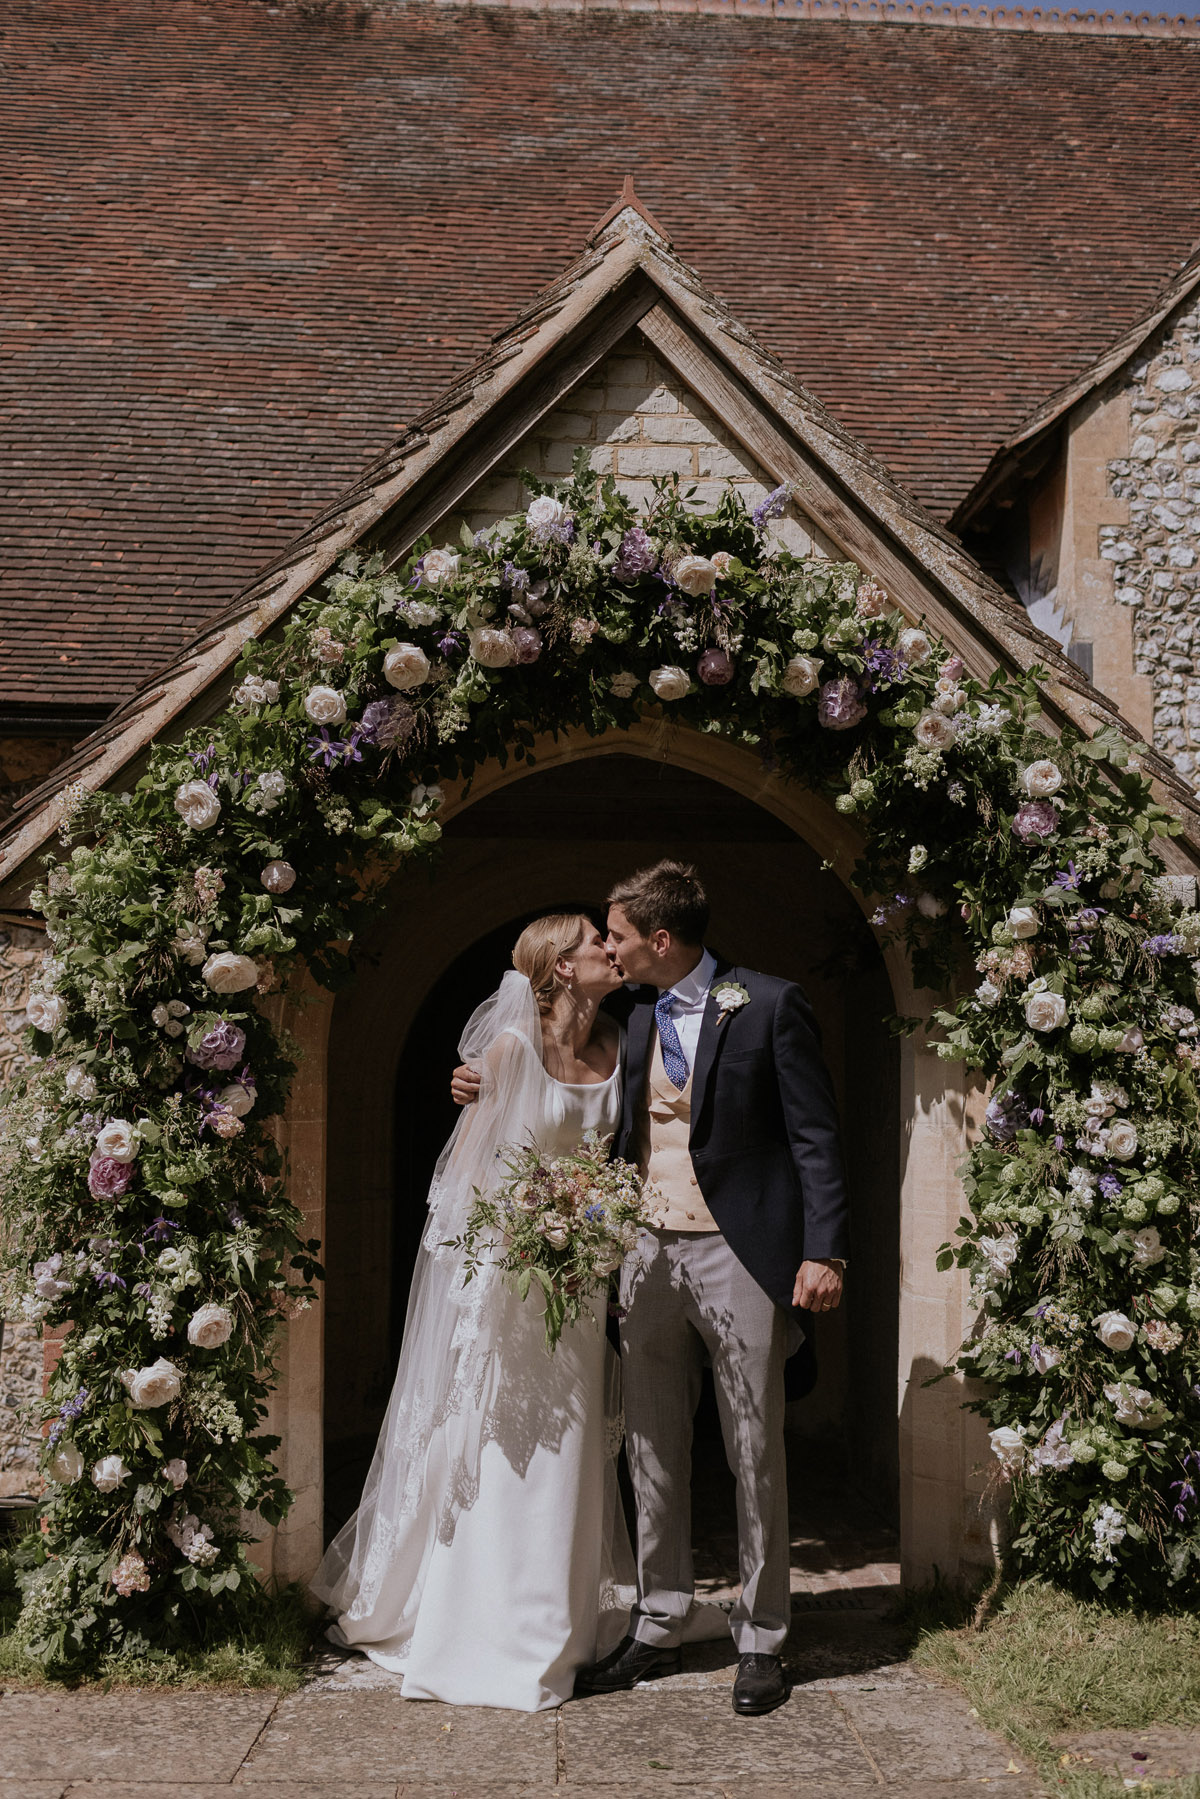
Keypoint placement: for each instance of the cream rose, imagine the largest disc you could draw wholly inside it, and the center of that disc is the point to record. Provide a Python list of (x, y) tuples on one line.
[(670, 682), (801, 676), (1008, 1446), (108, 1473), (118, 1140), (556, 1233), (491, 648), (406, 666), (1114, 1330), (1122, 1140), (438, 567), (1045, 1011), (226, 972), (914, 646), (156, 1385), (237, 1098), (1023, 921), (1041, 779), (65, 1465), (325, 706), (1147, 1247), (79, 1083), (933, 732), (278, 877), (45, 1011), (695, 574), (190, 944), (544, 511), (197, 805), (210, 1326)]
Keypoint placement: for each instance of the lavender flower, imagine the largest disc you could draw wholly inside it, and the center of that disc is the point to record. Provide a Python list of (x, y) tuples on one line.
[(840, 705), (68, 1413), (387, 722), (1035, 818), (636, 556), (221, 1047), (1168, 945), (773, 506)]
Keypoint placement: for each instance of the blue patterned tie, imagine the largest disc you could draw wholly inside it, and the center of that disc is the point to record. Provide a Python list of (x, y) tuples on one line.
[(674, 1060)]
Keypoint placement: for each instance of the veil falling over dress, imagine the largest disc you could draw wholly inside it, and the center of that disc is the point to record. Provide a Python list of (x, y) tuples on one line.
[(459, 1384)]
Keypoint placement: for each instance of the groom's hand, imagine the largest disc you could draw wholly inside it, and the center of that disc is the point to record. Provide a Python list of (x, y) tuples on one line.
[(464, 1085), (818, 1286)]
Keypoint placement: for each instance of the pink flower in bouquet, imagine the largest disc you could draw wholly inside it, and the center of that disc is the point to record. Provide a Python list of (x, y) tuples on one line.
[(1035, 818), (715, 668), (108, 1178), (840, 705)]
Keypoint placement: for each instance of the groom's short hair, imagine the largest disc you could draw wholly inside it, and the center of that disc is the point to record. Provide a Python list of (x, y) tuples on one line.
[(668, 897)]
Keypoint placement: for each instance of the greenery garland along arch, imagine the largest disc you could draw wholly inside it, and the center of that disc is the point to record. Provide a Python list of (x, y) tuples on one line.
[(146, 1200)]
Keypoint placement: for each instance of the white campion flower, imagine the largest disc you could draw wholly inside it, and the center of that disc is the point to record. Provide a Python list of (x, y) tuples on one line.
[(210, 1326), (933, 732), (406, 666), (1023, 922), (491, 648), (1008, 1446), (1040, 779), (65, 1465), (79, 1083), (670, 682), (108, 1473), (227, 972), (1115, 1330), (914, 646), (325, 706), (801, 676), (1122, 1140), (176, 1472), (695, 574), (197, 805), (1045, 1011), (118, 1140), (156, 1385), (1147, 1248), (45, 1011)]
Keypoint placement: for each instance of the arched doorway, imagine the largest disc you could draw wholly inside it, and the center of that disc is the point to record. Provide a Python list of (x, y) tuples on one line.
[(555, 839)]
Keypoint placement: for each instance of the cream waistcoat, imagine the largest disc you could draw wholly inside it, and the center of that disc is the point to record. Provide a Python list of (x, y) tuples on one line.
[(663, 1127)]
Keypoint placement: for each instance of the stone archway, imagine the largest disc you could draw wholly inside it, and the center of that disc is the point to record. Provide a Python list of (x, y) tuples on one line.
[(940, 1515)]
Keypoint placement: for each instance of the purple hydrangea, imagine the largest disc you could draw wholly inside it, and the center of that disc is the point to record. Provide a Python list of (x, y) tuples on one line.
[(636, 556), (715, 668), (1007, 1114), (526, 643), (773, 506), (840, 705), (221, 1047), (1035, 818), (108, 1178), (388, 722), (1168, 945)]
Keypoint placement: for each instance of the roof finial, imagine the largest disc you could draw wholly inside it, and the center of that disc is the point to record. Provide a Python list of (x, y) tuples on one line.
[(629, 202)]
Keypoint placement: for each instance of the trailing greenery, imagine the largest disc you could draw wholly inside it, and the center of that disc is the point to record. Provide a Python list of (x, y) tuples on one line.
[(146, 1199)]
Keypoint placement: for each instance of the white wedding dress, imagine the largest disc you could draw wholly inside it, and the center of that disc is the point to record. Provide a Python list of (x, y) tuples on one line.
[(483, 1560)]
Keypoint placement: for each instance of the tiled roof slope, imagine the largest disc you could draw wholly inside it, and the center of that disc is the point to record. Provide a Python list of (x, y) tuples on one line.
[(245, 249)]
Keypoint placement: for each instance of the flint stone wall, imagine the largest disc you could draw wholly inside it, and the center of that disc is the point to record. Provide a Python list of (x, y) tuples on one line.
[(1156, 555), (21, 1355)]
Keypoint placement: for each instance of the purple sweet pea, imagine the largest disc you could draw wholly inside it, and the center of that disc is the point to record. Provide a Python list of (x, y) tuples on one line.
[(1035, 818), (221, 1047), (715, 668), (774, 506), (108, 1178), (840, 705)]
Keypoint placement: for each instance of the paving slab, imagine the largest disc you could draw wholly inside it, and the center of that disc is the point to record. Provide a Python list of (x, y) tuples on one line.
[(930, 1736), (168, 1737), (27, 1789), (694, 1738), (1011, 1786), (372, 1736), (1158, 1752), (289, 1789)]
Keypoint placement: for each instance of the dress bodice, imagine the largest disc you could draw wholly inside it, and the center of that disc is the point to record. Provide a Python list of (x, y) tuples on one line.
[(568, 1110)]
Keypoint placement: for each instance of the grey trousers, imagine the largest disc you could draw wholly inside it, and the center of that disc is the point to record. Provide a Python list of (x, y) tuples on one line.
[(683, 1294)]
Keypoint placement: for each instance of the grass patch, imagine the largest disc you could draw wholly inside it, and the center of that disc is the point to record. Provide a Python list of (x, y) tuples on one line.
[(1044, 1665), (271, 1656)]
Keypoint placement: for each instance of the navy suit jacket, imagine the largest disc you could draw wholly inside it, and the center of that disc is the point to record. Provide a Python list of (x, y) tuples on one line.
[(764, 1139)]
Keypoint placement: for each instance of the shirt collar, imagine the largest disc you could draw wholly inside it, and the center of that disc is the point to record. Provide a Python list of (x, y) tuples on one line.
[(694, 987)]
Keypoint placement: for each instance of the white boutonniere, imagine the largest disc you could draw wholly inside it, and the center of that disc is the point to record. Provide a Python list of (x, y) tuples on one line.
[(730, 997)]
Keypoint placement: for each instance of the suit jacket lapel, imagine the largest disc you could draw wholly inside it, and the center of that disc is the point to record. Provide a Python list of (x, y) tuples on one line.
[(711, 1032), (637, 1055)]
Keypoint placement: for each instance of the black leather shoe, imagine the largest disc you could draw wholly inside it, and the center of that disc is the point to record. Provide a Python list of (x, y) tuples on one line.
[(760, 1685), (628, 1663)]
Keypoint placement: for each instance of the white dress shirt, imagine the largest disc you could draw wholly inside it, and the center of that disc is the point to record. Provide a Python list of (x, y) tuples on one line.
[(688, 1000)]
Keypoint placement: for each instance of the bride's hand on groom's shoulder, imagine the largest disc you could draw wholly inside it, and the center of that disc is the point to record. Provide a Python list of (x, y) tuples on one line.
[(464, 1085), (818, 1286)]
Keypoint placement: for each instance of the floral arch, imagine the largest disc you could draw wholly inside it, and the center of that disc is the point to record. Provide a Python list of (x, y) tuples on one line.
[(147, 1198)]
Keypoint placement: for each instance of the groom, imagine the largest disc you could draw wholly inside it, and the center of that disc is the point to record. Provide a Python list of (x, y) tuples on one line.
[(729, 1110)]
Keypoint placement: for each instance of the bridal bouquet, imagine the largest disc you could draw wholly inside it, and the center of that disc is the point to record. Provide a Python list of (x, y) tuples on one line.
[(564, 1224)]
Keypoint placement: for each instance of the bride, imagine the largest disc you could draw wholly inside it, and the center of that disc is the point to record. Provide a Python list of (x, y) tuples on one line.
[(478, 1560)]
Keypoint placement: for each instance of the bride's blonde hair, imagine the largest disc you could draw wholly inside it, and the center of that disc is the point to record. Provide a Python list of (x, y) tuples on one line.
[(540, 945)]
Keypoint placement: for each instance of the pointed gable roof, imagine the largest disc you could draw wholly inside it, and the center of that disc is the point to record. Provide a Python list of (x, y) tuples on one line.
[(628, 279)]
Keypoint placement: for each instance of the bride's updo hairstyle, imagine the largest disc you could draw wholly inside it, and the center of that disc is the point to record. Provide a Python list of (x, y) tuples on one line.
[(540, 945)]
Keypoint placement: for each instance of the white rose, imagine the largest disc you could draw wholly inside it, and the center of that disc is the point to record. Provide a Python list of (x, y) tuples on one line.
[(1114, 1330), (118, 1139), (1147, 1248), (79, 1083), (987, 993), (491, 648), (325, 706), (1122, 1140), (914, 646), (1041, 779), (543, 511), (237, 1099), (65, 1465), (948, 699), (227, 972), (197, 805), (210, 1326), (45, 1011), (406, 666), (157, 1385), (1023, 921), (176, 1472), (1044, 1358), (930, 906), (108, 1473), (1045, 1011), (670, 683), (933, 732), (438, 567), (1008, 1445), (161, 1017), (695, 574), (278, 877), (1131, 1042), (418, 613), (999, 1252), (271, 788), (190, 944), (801, 676), (624, 685)]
